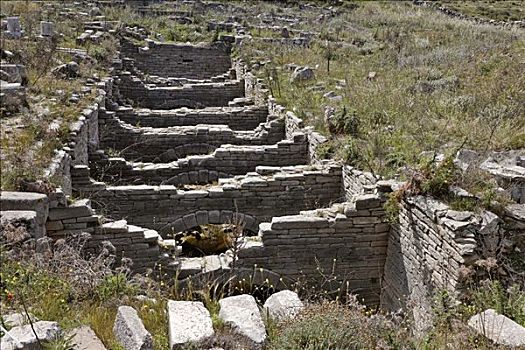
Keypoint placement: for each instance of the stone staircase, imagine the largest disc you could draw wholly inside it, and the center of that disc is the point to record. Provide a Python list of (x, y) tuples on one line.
[(197, 127)]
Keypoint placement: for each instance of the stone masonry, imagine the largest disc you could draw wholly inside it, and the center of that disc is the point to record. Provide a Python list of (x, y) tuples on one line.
[(180, 136)]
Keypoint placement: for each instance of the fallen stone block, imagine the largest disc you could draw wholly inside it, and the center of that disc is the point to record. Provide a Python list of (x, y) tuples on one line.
[(189, 321), (129, 330), (22, 337), (85, 339), (282, 305), (498, 328), (242, 314)]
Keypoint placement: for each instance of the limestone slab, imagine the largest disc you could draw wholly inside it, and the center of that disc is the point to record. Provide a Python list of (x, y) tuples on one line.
[(22, 337), (85, 338), (189, 321), (130, 331), (498, 328), (283, 304), (242, 314)]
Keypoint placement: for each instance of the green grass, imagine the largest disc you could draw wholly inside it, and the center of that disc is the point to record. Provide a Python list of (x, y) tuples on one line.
[(488, 9), (27, 142), (440, 83)]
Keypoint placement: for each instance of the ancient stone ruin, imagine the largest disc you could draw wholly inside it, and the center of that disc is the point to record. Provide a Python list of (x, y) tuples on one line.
[(182, 136), (177, 143)]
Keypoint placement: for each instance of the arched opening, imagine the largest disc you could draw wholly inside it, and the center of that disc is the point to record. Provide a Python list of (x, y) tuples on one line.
[(209, 239), (210, 232)]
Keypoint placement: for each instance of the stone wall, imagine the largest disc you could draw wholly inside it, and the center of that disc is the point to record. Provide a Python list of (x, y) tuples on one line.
[(347, 241), (179, 60), (83, 137), (225, 161), (51, 216), (60, 171), (190, 95), (254, 88), (425, 252), (237, 118), (295, 124), (141, 245), (168, 144), (357, 182), (27, 201), (269, 192), (514, 224)]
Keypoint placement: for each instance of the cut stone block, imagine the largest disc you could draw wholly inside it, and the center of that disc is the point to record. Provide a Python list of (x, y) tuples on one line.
[(37, 202), (189, 321), (242, 314), (22, 337), (129, 330), (282, 305), (298, 221), (119, 226), (69, 212), (498, 328), (47, 28), (85, 339)]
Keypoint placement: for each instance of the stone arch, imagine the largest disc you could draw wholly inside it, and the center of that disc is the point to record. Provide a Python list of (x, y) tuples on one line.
[(204, 217)]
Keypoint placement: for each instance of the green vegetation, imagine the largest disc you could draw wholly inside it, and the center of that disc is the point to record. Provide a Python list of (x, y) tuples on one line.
[(414, 79), (30, 137), (488, 9), (66, 287), (332, 325), (168, 29), (63, 285)]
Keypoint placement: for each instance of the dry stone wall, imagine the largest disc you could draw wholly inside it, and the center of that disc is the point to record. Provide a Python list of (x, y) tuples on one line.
[(347, 241), (77, 218), (169, 97), (254, 88), (295, 124), (168, 144), (431, 247), (357, 182), (225, 161), (514, 225), (263, 196), (237, 118), (179, 60)]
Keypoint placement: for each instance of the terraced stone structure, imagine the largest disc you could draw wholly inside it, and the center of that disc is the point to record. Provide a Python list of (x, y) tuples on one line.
[(182, 137), (251, 160), (173, 157)]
